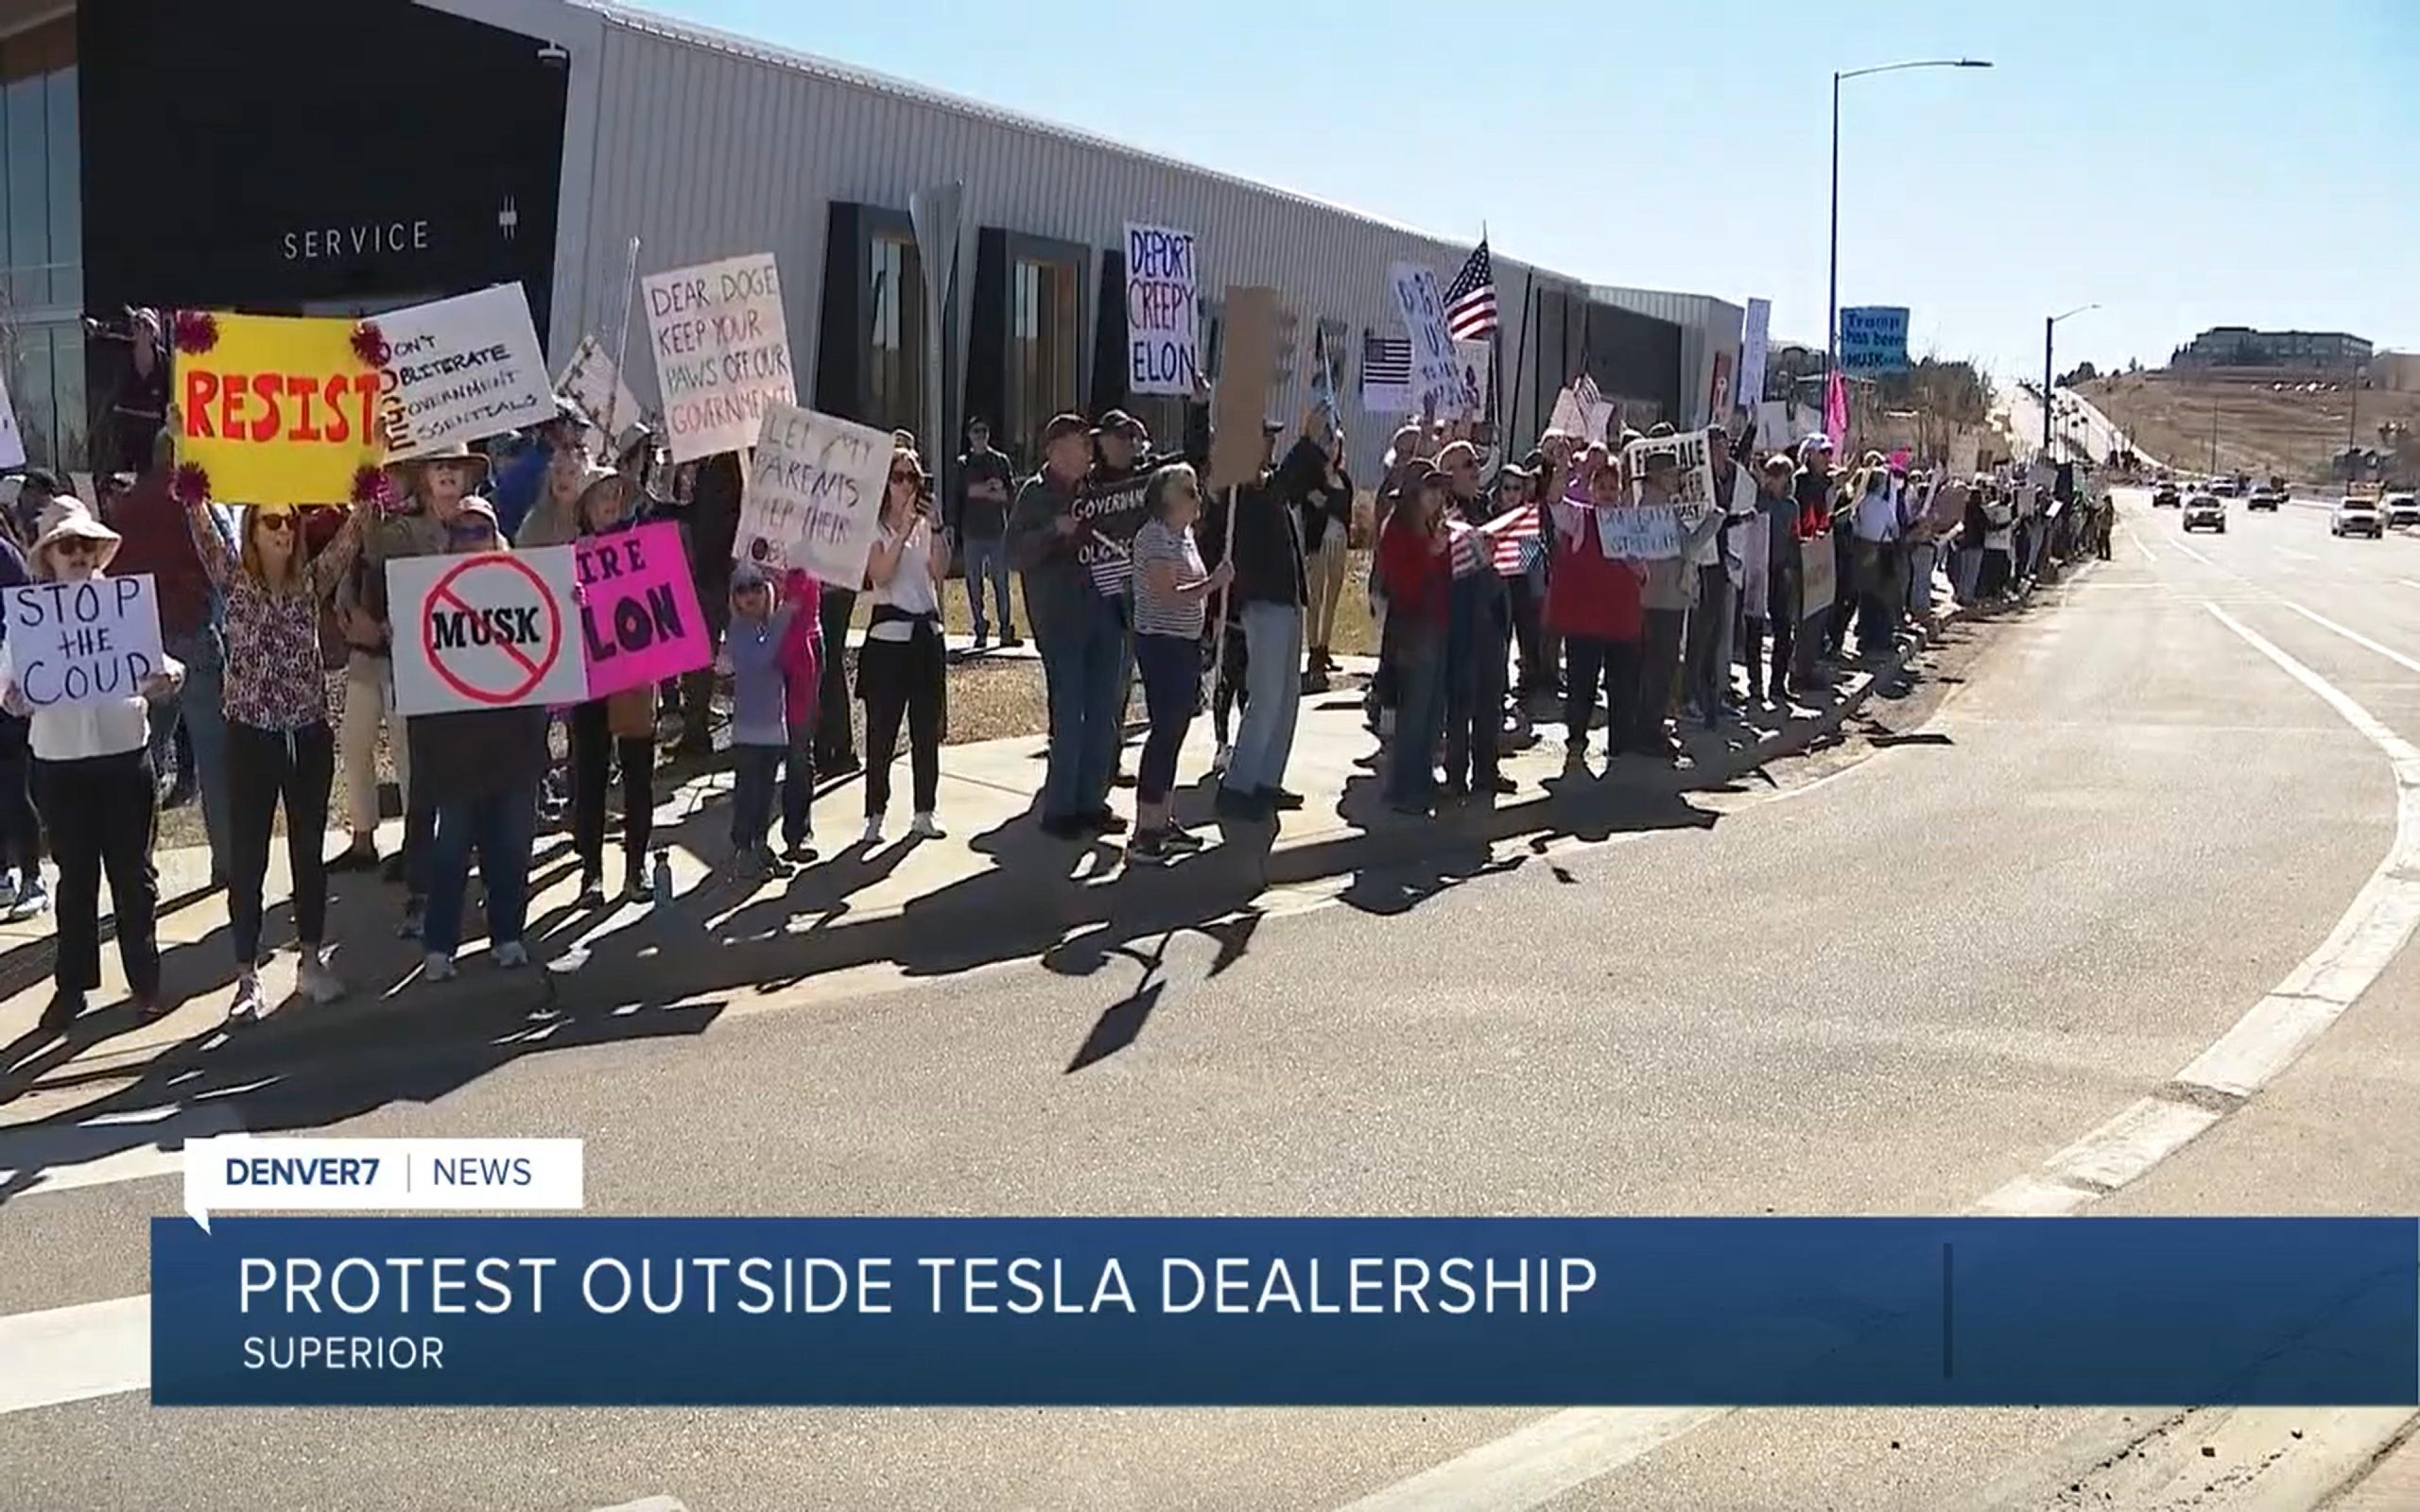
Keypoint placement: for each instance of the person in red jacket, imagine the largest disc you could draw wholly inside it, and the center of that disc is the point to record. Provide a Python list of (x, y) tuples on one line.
[(1593, 603), (1417, 576)]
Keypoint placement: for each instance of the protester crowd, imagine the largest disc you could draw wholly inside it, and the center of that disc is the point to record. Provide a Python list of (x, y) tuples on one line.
[(279, 635)]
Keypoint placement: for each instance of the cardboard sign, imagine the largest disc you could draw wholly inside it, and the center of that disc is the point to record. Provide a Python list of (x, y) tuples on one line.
[(1162, 334), (814, 498), (92, 642), (1642, 533), (279, 410), (1110, 516), (1756, 341), (1239, 404), (722, 352), (592, 380), (639, 617), (460, 370), (1694, 490), (1436, 374), (487, 631), (1874, 338), (1718, 392), (13, 440)]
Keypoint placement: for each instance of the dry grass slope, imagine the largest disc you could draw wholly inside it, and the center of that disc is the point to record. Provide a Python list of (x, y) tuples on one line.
[(2259, 430)]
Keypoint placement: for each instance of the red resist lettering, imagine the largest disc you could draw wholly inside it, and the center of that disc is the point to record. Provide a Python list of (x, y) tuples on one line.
[(337, 410)]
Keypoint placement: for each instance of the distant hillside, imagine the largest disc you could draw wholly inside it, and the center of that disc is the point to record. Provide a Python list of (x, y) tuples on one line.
[(2263, 426)]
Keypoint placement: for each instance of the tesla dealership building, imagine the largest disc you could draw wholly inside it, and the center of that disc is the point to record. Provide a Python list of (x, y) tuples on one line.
[(284, 157)]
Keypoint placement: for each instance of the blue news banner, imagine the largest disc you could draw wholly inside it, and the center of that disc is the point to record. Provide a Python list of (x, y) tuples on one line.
[(1752, 1312)]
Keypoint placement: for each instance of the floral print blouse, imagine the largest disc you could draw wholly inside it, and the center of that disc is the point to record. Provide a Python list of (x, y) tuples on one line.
[(275, 678)]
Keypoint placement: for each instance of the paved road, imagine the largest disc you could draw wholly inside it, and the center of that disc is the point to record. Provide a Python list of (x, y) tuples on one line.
[(1913, 974)]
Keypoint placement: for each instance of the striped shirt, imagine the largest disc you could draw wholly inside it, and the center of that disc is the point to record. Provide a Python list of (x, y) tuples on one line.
[(1164, 613)]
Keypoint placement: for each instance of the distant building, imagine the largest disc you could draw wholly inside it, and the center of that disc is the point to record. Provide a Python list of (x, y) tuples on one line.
[(2239, 346), (2396, 371)]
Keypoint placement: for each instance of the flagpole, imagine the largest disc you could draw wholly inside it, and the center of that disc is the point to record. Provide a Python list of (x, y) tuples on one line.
[(1520, 355)]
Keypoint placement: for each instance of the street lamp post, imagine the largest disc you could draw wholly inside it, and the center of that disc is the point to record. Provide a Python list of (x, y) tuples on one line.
[(2048, 327), (1832, 309)]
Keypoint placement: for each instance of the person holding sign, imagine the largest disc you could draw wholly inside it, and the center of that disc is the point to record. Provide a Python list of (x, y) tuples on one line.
[(1415, 567), (479, 770), (279, 743), (1592, 602), (93, 778), (617, 727), (1079, 630), (900, 669)]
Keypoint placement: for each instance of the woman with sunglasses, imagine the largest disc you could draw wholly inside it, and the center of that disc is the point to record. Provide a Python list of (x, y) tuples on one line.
[(280, 745), (94, 785), (902, 667)]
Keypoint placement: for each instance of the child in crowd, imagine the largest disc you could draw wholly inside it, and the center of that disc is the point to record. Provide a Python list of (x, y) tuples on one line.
[(760, 734)]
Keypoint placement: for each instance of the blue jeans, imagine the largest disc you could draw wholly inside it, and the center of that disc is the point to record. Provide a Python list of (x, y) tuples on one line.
[(1420, 716), (754, 771), (798, 783), (1273, 696), (502, 826), (987, 562), (205, 719), (1084, 661), (1171, 668)]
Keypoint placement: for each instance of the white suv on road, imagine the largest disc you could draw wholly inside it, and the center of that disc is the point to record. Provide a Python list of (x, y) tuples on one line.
[(2356, 517)]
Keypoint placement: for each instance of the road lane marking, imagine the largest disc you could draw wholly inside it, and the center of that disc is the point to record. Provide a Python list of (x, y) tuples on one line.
[(73, 1353), (2354, 636), (1538, 1462)]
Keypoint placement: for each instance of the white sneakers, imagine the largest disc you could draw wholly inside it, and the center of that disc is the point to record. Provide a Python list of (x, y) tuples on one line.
[(511, 956), (926, 828), (1218, 763), (247, 1007), (316, 981), (438, 968)]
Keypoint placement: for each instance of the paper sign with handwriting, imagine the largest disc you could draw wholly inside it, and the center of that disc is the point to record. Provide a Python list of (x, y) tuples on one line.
[(814, 497), (460, 370), (92, 642), (722, 352)]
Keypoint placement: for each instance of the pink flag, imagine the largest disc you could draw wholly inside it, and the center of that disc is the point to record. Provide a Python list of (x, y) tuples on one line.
[(1835, 410)]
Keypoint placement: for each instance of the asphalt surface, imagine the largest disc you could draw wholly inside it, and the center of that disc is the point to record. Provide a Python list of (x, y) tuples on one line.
[(1885, 978)]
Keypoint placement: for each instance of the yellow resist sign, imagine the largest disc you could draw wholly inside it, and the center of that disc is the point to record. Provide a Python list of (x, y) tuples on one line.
[(278, 410)]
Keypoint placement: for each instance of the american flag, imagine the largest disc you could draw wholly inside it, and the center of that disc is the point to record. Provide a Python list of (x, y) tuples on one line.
[(1519, 541), (1470, 303), (1386, 362)]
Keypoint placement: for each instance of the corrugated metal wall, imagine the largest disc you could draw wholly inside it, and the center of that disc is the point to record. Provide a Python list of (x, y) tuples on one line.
[(707, 150), (1709, 327)]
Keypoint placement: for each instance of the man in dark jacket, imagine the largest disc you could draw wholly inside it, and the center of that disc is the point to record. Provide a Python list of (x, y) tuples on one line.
[(1271, 589), (1080, 629), (979, 522), (1479, 629)]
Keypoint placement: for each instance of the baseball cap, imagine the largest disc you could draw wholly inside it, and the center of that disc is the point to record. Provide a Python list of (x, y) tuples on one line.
[(43, 479), (1117, 422)]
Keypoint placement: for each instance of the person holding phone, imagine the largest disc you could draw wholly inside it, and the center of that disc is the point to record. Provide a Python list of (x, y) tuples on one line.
[(1171, 589), (902, 669)]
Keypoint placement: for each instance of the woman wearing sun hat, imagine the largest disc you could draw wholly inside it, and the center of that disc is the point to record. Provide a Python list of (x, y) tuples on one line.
[(95, 787), (279, 745), (424, 517)]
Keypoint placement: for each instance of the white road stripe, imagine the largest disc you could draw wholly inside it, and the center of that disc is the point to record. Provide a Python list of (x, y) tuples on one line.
[(1536, 1464), (2356, 637), (70, 1353)]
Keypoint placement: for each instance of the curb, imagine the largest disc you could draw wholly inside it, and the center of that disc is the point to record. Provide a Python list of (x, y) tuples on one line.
[(936, 934)]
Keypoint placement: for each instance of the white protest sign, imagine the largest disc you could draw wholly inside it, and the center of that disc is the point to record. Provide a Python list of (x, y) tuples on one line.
[(722, 352), (814, 496), (1965, 449), (1694, 488), (1436, 370), (461, 370), (92, 642), (1640, 532), (1755, 336), (13, 440), (496, 631), (1476, 360), (1163, 340), (592, 380)]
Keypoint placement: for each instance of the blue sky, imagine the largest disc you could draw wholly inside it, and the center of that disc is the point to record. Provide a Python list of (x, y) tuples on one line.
[(2184, 164)]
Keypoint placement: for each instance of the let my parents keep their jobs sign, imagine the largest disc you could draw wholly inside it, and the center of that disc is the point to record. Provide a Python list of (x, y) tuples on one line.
[(92, 642), (461, 371), (277, 410), (639, 615), (493, 630), (722, 352), (814, 498), (1163, 352)]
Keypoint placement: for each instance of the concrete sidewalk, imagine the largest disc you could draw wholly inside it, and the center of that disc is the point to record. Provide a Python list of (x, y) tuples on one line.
[(995, 890)]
